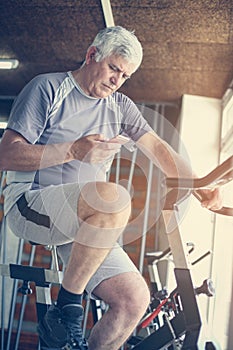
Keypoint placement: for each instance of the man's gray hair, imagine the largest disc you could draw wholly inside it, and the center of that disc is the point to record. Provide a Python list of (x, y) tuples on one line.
[(119, 41)]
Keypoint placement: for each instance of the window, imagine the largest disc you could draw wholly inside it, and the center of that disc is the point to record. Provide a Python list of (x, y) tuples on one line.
[(227, 125)]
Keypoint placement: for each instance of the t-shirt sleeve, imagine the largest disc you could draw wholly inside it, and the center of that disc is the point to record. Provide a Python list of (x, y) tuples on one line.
[(133, 123), (29, 112)]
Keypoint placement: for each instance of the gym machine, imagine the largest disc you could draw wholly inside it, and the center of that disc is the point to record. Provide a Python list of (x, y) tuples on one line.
[(183, 328)]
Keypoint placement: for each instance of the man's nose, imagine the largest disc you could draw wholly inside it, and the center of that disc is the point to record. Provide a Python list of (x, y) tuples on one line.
[(115, 79)]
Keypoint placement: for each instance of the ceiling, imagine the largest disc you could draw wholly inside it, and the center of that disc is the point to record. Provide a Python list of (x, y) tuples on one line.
[(188, 44)]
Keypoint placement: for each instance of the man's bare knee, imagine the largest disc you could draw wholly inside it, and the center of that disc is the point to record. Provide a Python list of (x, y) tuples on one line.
[(137, 302), (103, 212), (127, 295), (101, 197)]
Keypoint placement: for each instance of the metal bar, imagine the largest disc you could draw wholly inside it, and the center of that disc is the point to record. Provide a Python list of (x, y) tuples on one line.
[(217, 177), (163, 336), (54, 264), (43, 295), (132, 167), (49, 276), (221, 175), (39, 275), (24, 300), (118, 166), (14, 295), (178, 247), (3, 260), (85, 319), (146, 216), (185, 288), (157, 125), (43, 302), (107, 11)]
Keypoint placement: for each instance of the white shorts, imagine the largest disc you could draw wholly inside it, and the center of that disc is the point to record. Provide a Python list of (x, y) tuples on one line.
[(49, 216)]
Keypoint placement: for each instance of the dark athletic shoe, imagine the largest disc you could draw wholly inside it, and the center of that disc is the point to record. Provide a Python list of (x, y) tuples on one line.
[(61, 329)]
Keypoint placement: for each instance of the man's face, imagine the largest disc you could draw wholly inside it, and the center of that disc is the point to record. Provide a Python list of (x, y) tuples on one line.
[(108, 75)]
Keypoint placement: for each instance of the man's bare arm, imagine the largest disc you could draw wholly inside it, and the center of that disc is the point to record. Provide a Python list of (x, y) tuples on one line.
[(19, 155), (173, 165), (163, 156)]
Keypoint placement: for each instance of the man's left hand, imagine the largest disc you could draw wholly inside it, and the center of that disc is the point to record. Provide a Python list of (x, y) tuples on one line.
[(212, 198)]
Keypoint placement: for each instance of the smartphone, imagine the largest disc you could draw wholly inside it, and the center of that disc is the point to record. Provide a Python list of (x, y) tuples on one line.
[(120, 139)]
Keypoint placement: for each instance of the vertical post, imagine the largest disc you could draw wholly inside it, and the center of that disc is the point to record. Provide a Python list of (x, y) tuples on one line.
[(14, 294), (185, 288)]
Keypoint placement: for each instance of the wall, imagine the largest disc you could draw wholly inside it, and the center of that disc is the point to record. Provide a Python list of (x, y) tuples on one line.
[(223, 308), (200, 132)]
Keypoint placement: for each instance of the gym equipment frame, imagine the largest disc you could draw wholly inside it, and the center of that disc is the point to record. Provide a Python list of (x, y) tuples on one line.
[(186, 324)]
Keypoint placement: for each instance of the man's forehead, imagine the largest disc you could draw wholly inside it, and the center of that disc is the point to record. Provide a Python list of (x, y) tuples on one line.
[(122, 63)]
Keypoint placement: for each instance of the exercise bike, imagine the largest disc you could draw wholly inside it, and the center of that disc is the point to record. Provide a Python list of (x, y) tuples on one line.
[(181, 325)]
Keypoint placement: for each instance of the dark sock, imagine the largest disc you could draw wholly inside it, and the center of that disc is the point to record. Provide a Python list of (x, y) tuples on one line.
[(65, 297)]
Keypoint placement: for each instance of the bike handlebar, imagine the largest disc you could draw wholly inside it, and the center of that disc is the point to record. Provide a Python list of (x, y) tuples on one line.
[(221, 175), (216, 178)]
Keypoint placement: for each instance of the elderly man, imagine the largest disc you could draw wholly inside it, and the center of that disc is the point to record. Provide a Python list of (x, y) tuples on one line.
[(58, 146)]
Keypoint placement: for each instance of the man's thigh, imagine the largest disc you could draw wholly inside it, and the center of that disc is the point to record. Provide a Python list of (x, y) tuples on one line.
[(47, 216)]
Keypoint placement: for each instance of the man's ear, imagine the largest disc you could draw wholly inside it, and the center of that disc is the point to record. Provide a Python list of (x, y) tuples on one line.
[(90, 56)]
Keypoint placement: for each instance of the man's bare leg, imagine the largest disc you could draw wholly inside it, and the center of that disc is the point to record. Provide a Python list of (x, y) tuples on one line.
[(128, 297), (103, 209)]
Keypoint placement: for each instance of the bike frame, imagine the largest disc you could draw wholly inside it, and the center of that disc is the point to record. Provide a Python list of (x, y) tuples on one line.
[(187, 323)]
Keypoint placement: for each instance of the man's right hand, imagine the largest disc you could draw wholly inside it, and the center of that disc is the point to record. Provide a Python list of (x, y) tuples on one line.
[(93, 149)]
